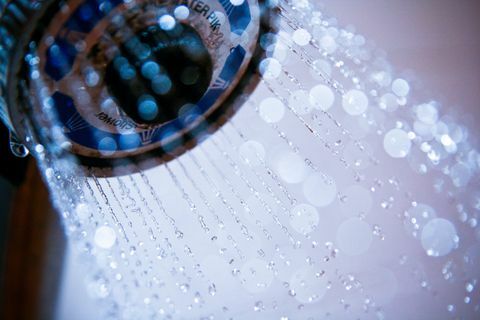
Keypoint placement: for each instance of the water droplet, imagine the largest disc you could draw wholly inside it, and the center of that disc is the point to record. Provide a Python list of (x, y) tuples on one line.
[(328, 43), (252, 153), (197, 298), (377, 231), (258, 306), (389, 102), (301, 37), (237, 2), (460, 174), (212, 290), (439, 237), (271, 110), (270, 68), (179, 234), (304, 218), (184, 287), (322, 97), (400, 87), (181, 12), (451, 308), (291, 167), (82, 211), (427, 113), (105, 237), (416, 217), (167, 22), (397, 143), (469, 287), (107, 146), (355, 102)]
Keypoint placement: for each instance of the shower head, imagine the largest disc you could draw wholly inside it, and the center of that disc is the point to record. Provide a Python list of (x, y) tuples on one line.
[(116, 82), (337, 187)]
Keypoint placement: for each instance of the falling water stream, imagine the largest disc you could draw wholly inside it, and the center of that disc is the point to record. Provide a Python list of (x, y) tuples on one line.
[(337, 191)]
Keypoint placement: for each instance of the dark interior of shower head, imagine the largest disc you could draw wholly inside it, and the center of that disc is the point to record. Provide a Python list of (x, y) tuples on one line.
[(157, 72)]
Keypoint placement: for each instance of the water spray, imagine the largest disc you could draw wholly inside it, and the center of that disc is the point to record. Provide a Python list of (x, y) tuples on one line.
[(233, 159)]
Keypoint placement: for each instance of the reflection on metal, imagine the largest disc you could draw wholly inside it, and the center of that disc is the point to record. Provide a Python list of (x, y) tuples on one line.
[(17, 148)]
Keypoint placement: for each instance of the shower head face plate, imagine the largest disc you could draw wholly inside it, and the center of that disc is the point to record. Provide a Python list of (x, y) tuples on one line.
[(119, 81)]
